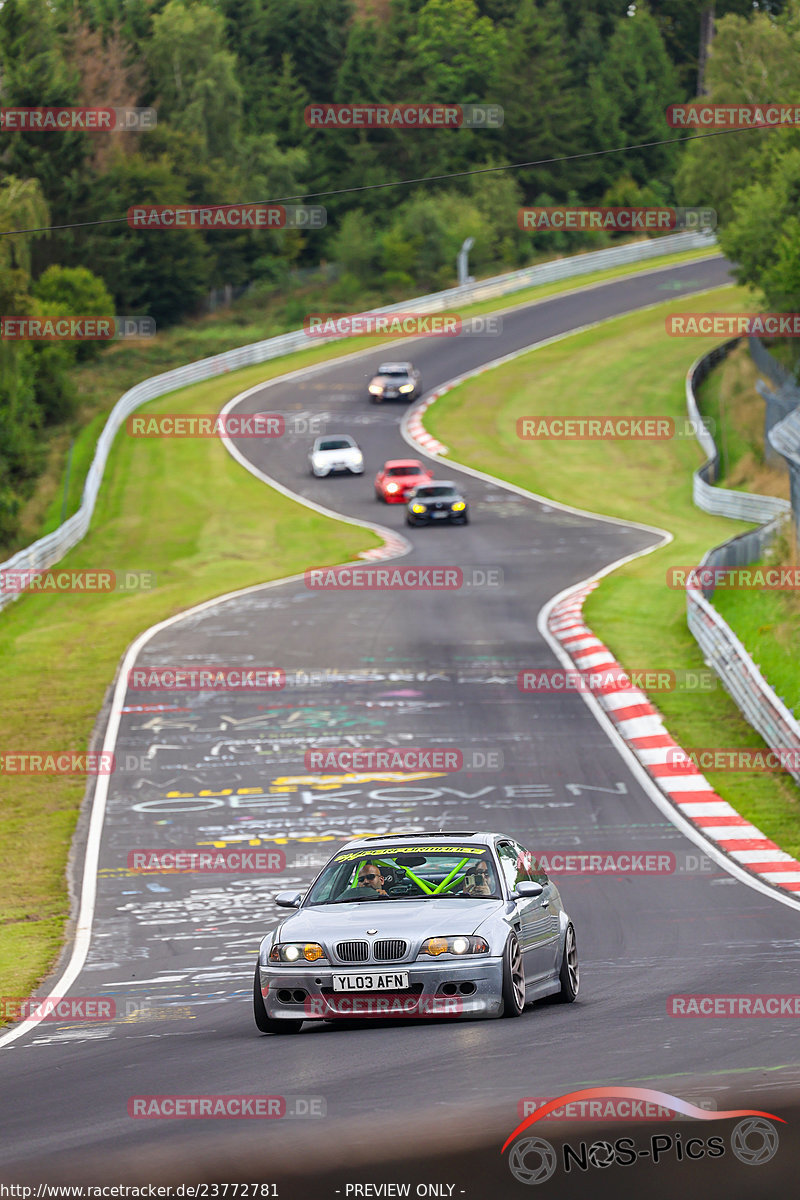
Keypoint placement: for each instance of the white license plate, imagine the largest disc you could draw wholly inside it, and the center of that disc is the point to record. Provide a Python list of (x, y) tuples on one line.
[(371, 981), (438, 516)]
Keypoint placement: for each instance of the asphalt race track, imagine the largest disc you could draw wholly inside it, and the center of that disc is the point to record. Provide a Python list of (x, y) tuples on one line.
[(176, 953)]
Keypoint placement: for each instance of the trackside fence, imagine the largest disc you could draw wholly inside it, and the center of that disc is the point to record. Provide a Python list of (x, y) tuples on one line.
[(721, 649)]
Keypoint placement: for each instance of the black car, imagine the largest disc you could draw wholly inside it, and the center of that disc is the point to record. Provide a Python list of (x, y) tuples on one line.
[(439, 500), (395, 381)]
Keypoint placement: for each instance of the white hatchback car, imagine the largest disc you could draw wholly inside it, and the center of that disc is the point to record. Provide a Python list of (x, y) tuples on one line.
[(336, 452)]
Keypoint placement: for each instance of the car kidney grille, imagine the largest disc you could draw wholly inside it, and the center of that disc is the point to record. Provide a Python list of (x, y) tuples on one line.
[(353, 951), (390, 949)]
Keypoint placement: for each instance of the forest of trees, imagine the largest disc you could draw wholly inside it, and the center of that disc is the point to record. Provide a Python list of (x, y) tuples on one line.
[(230, 80)]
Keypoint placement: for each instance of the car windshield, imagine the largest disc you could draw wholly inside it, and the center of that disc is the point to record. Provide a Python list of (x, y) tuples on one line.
[(340, 443), (393, 370), (426, 492), (404, 471), (407, 873)]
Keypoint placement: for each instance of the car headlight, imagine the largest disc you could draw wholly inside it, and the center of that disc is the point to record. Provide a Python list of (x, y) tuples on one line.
[(291, 952), (418, 508), (391, 487), (406, 387), (459, 506), (454, 945), (375, 389)]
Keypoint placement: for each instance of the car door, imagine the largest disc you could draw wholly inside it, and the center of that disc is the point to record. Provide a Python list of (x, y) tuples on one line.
[(532, 917), (549, 901)]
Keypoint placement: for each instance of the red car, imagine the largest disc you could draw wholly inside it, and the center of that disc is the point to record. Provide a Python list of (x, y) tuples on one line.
[(397, 477)]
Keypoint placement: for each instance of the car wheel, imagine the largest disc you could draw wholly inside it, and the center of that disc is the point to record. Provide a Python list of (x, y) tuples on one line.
[(410, 522), (513, 979), (569, 975), (265, 1023), (379, 496)]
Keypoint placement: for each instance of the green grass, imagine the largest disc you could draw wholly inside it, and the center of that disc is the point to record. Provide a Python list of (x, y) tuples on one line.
[(186, 511), (768, 623), (729, 398), (626, 366)]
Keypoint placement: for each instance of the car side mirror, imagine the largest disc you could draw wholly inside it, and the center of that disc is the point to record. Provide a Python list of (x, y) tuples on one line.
[(526, 889), (288, 899)]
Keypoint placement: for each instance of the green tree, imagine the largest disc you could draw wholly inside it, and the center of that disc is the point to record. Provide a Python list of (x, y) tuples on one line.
[(628, 94), (544, 109), (195, 75), (752, 61), (22, 206)]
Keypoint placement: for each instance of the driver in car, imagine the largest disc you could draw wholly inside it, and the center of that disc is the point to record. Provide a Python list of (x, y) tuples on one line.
[(371, 876)]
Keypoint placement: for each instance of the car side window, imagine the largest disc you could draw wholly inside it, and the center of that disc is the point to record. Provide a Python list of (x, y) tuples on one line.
[(508, 862), (527, 862)]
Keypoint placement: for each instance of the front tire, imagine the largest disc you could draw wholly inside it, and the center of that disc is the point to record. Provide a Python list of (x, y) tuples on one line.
[(265, 1023), (513, 979), (569, 974)]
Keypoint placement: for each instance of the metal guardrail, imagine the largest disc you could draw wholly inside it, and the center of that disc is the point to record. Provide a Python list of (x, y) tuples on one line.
[(721, 649), (722, 502), (51, 549)]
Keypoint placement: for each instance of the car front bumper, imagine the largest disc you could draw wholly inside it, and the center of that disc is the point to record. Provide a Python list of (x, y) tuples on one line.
[(481, 977), (430, 519)]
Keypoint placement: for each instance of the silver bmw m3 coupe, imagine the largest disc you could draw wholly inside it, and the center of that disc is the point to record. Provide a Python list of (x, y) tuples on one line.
[(450, 925)]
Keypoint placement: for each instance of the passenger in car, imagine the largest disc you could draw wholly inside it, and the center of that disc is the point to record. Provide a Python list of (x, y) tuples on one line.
[(479, 879)]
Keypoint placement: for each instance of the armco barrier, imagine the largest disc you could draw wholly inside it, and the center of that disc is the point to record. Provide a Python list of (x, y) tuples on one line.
[(722, 502), (51, 548), (721, 649)]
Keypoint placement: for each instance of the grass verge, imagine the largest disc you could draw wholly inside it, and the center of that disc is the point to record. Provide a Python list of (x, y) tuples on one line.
[(185, 511), (597, 372)]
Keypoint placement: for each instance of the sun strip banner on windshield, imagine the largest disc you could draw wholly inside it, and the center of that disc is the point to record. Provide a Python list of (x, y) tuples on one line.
[(392, 851)]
